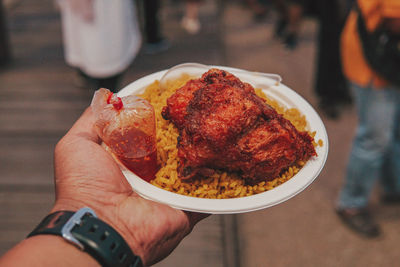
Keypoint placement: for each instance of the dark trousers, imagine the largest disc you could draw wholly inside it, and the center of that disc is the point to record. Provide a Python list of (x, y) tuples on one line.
[(112, 83), (4, 41), (330, 83), (151, 21)]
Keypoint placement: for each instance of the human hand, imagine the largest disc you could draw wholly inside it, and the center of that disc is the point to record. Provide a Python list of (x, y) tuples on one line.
[(87, 175), (83, 8)]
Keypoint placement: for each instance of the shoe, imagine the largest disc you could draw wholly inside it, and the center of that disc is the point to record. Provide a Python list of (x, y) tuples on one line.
[(330, 109), (192, 26), (158, 47), (392, 198), (360, 221), (291, 41)]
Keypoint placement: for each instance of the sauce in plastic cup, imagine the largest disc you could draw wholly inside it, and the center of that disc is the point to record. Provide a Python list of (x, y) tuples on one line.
[(127, 126)]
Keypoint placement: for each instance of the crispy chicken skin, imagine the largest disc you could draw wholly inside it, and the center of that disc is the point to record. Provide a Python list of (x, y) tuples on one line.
[(223, 124)]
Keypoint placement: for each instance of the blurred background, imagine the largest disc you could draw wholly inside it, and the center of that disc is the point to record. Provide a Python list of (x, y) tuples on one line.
[(41, 96)]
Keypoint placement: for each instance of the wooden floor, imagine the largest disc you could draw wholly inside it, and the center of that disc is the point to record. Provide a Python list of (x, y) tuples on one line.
[(39, 102), (36, 107)]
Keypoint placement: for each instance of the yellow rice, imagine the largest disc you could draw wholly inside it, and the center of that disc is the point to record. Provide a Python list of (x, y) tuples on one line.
[(221, 184)]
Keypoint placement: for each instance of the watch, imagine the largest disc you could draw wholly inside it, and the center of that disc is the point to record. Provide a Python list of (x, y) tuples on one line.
[(83, 229)]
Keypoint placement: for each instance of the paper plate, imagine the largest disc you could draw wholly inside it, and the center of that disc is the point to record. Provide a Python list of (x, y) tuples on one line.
[(272, 87)]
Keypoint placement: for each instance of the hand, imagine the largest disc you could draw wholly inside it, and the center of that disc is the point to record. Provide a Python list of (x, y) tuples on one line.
[(87, 175), (83, 8)]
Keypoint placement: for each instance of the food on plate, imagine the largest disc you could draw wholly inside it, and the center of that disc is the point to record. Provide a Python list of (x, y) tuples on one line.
[(223, 124), (221, 183), (127, 127)]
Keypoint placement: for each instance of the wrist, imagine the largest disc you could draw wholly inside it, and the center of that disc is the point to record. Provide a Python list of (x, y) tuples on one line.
[(108, 214), (90, 234)]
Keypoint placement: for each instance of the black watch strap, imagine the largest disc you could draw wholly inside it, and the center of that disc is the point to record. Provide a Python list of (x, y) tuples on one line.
[(90, 234)]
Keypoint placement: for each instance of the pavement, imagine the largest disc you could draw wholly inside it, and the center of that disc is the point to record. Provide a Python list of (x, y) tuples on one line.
[(39, 102)]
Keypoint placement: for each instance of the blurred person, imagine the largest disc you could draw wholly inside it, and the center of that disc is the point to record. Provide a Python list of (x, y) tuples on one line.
[(143, 232), (190, 20), (290, 16), (331, 86), (4, 39), (258, 7), (376, 147), (283, 17), (294, 18), (289, 21), (101, 39), (155, 41)]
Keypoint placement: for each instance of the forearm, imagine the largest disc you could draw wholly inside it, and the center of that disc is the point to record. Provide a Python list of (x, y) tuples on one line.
[(46, 250)]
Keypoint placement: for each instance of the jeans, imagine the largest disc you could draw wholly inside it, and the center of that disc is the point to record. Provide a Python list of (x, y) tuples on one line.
[(375, 154)]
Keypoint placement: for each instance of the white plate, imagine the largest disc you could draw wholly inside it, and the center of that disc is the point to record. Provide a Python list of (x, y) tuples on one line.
[(270, 83)]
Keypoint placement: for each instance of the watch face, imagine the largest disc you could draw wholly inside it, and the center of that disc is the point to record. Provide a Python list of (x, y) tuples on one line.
[(273, 89)]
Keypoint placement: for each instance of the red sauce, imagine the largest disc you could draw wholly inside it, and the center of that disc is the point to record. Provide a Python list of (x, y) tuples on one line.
[(145, 167), (136, 150)]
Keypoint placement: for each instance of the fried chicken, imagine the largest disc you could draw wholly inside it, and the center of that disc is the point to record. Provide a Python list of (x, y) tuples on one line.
[(224, 125)]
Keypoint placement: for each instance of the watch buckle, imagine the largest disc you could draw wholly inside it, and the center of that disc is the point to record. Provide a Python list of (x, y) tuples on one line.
[(76, 219)]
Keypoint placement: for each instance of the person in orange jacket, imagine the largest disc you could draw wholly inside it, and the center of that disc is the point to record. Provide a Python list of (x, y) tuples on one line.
[(376, 147)]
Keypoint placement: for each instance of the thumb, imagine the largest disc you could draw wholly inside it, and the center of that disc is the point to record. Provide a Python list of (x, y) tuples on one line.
[(84, 127)]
